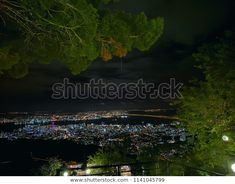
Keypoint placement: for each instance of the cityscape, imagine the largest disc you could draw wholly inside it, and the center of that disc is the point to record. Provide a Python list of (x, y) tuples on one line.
[(18, 118), (92, 128), (144, 135), (133, 131), (117, 88)]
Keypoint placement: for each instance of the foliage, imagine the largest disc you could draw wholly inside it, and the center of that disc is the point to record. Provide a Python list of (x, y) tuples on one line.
[(75, 32), (146, 162), (107, 156), (50, 168), (208, 106)]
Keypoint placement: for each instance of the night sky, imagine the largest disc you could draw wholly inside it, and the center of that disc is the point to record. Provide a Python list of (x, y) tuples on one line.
[(188, 24)]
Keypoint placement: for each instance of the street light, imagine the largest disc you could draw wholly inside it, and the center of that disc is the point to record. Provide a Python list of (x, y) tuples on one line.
[(65, 173), (88, 171), (233, 167), (225, 138)]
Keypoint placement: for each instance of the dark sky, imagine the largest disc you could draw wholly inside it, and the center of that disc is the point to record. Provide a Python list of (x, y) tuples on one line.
[(188, 23)]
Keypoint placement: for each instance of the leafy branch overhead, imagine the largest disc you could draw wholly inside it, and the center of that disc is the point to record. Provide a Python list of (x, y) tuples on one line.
[(75, 32)]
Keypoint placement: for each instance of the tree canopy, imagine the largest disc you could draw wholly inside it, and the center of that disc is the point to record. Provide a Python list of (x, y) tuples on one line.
[(208, 106), (74, 32), (51, 168)]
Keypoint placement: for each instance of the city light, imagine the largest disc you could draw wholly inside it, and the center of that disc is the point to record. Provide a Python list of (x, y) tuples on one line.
[(65, 173), (225, 138), (233, 167)]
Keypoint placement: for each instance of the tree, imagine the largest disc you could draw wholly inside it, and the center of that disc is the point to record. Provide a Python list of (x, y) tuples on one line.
[(51, 168), (75, 32), (105, 157), (208, 106)]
